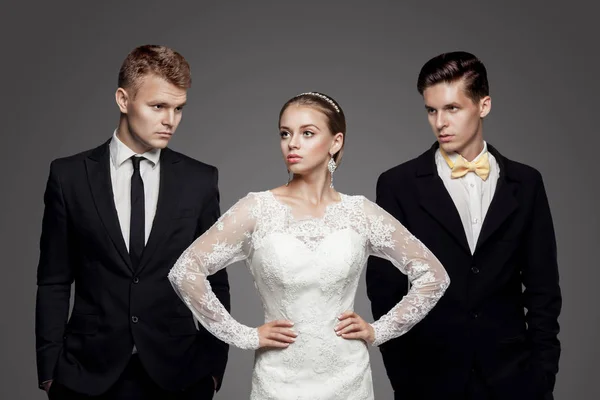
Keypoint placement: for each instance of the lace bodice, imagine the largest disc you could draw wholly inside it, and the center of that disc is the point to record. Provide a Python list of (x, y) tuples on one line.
[(306, 270)]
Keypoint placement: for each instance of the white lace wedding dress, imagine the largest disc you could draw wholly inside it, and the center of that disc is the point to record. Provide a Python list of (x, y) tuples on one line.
[(307, 270)]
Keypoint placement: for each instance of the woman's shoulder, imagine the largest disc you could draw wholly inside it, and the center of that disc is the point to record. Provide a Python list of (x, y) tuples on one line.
[(354, 198), (258, 202), (360, 202)]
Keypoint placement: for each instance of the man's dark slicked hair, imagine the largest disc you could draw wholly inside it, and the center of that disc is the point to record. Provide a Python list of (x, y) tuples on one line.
[(451, 67)]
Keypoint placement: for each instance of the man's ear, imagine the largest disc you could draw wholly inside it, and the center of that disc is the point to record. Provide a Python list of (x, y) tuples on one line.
[(485, 106), (122, 99)]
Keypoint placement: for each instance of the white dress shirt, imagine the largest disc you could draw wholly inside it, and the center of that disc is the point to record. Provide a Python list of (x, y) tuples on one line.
[(471, 194), (121, 169)]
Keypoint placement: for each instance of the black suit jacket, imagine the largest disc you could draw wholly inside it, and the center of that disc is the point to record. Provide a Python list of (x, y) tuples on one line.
[(498, 317), (115, 307)]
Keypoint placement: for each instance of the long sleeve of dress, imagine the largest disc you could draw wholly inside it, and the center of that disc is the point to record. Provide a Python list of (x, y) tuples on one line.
[(226, 242), (389, 239)]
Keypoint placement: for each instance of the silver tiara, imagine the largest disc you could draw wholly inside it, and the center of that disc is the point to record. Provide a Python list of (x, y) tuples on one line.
[(322, 96)]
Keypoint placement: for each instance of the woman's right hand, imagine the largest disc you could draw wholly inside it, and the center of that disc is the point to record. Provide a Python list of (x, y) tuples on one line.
[(276, 334)]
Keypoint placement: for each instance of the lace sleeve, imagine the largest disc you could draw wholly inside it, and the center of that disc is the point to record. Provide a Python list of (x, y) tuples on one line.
[(226, 242), (389, 239)]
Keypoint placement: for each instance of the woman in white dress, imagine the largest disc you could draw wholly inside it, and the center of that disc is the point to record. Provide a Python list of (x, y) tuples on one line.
[(306, 246)]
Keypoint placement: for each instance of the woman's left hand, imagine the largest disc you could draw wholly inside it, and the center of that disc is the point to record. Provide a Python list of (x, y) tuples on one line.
[(352, 326)]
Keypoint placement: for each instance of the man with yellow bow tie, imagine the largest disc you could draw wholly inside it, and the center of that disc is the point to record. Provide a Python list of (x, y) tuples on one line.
[(486, 218)]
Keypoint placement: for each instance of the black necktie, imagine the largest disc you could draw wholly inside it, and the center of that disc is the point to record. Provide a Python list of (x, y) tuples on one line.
[(137, 232)]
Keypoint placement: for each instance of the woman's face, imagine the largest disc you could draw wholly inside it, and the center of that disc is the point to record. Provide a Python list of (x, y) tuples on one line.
[(306, 141)]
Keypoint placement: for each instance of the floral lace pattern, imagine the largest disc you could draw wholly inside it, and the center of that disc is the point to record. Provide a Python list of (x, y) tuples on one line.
[(307, 271)]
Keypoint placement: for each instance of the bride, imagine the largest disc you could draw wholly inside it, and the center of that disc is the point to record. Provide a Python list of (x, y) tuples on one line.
[(306, 245)]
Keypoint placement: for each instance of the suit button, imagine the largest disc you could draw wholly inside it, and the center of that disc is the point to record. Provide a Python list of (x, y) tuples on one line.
[(136, 280), (134, 319), (475, 270)]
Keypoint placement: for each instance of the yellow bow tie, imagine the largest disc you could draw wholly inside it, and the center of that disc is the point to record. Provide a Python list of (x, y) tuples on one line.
[(461, 166)]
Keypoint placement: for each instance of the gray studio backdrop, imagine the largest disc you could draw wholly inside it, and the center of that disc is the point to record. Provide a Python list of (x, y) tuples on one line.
[(60, 64)]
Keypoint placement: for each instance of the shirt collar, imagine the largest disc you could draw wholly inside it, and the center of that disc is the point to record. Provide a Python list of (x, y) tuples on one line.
[(119, 152)]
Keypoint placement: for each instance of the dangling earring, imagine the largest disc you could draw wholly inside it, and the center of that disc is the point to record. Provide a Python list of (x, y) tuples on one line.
[(331, 166), (290, 177)]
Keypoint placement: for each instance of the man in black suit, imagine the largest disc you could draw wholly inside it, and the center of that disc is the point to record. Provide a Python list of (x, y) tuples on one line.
[(493, 335), (116, 219)]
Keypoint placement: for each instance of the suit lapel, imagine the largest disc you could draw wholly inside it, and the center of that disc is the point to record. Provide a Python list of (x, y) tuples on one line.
[(98, 172), (504, 202), (435, 199), (167, 202)]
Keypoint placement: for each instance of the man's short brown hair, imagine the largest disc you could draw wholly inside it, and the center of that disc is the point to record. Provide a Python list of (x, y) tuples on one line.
[(158, 60)]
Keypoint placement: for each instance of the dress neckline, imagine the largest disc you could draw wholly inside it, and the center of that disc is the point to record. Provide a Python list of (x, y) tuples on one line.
[(328, 208)]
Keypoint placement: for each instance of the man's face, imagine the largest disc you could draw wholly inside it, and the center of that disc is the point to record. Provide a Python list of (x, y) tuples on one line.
[(455, 119), (152, 113)]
